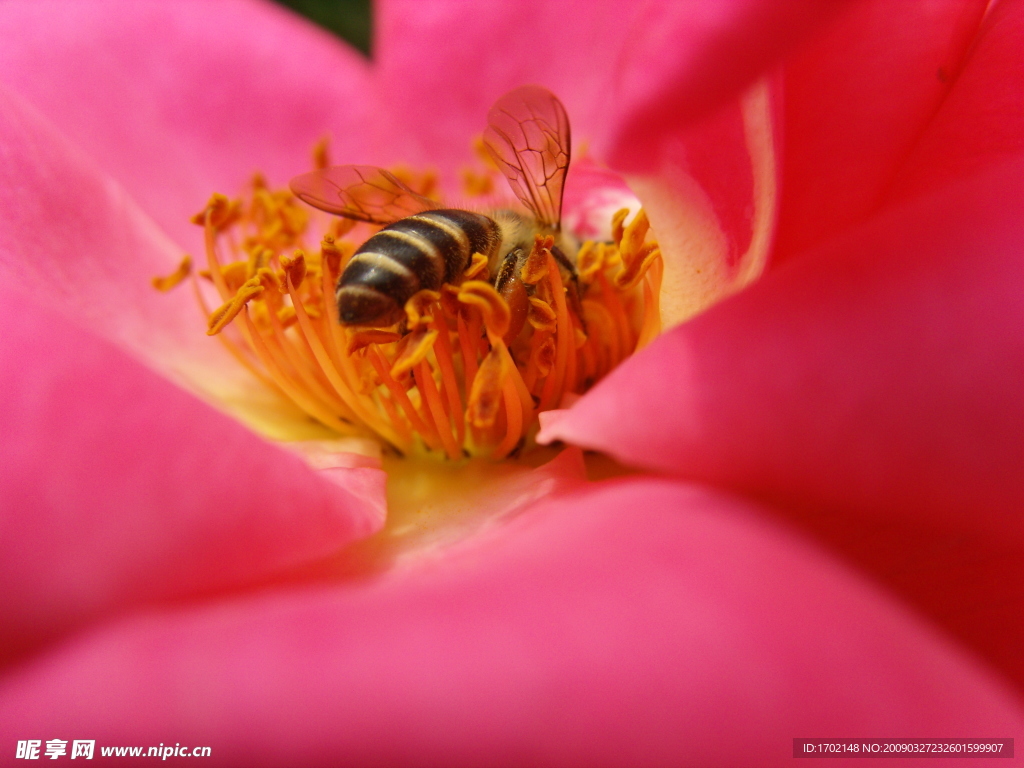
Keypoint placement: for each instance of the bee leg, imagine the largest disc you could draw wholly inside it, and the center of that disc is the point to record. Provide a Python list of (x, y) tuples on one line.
[(509, 285), (573, 288), (562, 259)]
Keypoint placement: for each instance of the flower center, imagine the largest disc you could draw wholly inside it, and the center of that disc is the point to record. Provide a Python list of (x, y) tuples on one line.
[(454, 377)]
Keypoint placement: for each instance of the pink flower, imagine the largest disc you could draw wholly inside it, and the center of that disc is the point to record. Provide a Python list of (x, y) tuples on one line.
[(829, 541)]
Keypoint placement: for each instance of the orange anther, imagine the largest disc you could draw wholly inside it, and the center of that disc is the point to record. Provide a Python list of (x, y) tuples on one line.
[(536, 265), (225, 313), (636, 255), (166, 283), (618, 221), (420, 342), (258, 257), (476, 184), (486, 396), (330, 255), (493, 308), (481, 151), (633, 236), (235, 273), (450, 299), (581, 338), (341, 227), (295, 268), (544, 356), (220, 212), (362, 339), (589, 261), (321, 152), (287, 316), (477, 267), (420, 307), (542, 316)]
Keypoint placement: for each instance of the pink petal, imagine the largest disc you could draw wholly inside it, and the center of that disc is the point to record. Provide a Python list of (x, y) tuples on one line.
[(858, 97), (879, 375), (981, 120), (117, 488), (73, 240), (712, 202), (177, 100), (881, 401), (641, 622), (625, 71)]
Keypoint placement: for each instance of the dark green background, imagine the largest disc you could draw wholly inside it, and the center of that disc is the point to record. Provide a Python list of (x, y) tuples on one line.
[(348, 19)]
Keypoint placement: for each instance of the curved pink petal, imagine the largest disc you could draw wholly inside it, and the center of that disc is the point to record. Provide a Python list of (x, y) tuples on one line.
[(641, 622), (712, 202), (881, 401), (858, 97), (627, 72), (117, 488), (981, 120), (176, 100), (72, 239), (882, 375)]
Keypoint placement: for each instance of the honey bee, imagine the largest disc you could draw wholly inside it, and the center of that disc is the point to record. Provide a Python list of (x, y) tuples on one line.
[(423, 245)]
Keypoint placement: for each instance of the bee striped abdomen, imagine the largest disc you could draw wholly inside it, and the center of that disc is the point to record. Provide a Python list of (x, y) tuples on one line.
[(415, 253)]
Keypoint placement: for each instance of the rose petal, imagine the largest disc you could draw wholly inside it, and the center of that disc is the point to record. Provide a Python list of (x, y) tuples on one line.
[(177, 100), (981, 120), (643, 622), (879, 375), (627, 72), (71, 239), (117, 488), (879, 401), (858, 97), (712, 203)]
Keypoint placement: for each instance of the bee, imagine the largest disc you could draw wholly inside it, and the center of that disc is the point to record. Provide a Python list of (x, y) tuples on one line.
[(423, 245)]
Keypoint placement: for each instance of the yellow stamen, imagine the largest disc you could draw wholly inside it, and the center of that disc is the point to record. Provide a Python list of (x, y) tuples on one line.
[(184, 269), (295, 268), (477, 267), (476, 184), (225, 313), (420, 342), (541, 316), (361, 339), (485, 397), (445, 381), (420, 308), (321, 153), (494, 309)]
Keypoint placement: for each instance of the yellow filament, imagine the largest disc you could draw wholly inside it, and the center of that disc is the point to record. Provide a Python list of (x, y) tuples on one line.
[(444, 381), (425, 383)]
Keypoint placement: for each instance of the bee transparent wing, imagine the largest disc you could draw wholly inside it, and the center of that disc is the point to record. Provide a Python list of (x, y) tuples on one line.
[(528, 137), (360, 192)]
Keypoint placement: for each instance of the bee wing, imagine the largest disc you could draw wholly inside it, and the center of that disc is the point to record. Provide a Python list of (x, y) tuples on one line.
[(528, 137), (360, 192)]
